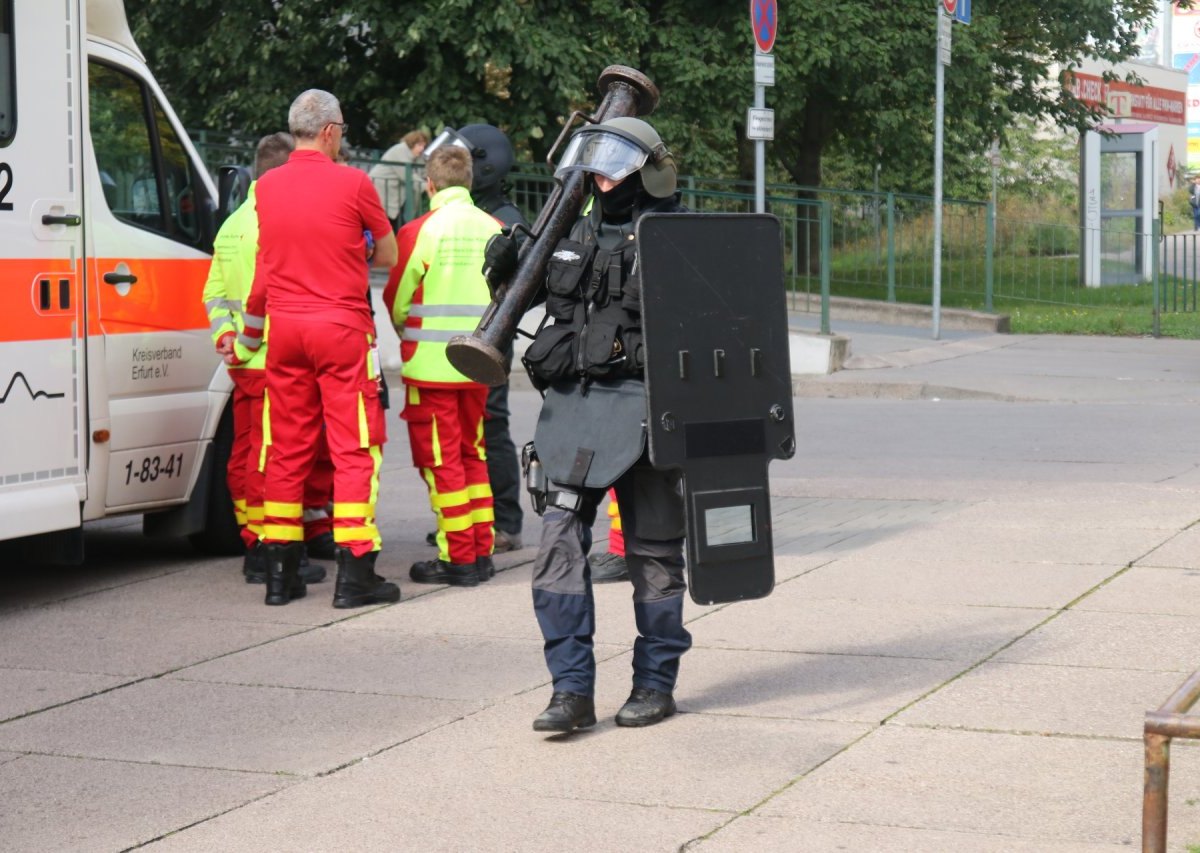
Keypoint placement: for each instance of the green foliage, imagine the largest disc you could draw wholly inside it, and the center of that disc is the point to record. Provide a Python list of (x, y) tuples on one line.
[(853, 78)]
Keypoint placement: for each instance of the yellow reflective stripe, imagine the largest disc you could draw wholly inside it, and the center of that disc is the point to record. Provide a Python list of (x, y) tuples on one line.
[(454, 525), (355, 534), (437, 444), (446, 499), (348, 510), (479, 516), (480, 490), (256, 529), (377, 458), (414, 394), (262, 454), (282, 510), (364, 434), (286, 532), (255, 513), (240, 517), (239, 503)]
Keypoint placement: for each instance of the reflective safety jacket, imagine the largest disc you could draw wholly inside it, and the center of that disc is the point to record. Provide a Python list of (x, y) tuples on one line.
[(230, 277), (437, 289)]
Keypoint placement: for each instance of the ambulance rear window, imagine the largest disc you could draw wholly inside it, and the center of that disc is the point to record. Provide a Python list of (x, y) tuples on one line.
[(8, 79)]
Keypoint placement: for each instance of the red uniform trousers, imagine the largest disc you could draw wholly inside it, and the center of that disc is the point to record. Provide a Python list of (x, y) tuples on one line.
[(445, 430), (244, 473), (616, 538), (318, 370)]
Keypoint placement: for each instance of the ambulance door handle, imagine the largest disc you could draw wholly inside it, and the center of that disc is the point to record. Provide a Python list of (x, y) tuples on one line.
[(119, 278), (68, 219)]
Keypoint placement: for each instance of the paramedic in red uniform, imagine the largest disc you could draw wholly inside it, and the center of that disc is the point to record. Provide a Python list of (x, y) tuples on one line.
[(321, 363), (436, 291)]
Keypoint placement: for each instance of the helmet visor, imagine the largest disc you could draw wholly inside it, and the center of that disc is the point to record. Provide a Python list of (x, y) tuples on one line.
[(449, 136), (603, 152)]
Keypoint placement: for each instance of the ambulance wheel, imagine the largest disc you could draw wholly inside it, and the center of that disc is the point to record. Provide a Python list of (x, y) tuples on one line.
[(220, 534)]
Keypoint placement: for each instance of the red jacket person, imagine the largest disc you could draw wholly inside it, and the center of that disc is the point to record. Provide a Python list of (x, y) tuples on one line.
[(321, 365)]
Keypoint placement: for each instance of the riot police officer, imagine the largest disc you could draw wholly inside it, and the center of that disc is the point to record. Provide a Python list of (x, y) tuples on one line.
[(589, 362)]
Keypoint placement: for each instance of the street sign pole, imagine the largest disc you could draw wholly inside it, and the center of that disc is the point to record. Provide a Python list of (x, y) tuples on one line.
[(760, 122), (760, 156), (943, 58)]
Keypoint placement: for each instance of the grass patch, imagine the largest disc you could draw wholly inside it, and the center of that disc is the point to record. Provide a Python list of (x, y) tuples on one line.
[(1040, 294)]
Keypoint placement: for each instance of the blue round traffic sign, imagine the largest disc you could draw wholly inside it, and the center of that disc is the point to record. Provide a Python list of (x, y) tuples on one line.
[(764, 19)]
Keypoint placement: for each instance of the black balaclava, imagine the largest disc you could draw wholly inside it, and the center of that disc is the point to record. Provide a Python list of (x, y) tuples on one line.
[(616, 205)]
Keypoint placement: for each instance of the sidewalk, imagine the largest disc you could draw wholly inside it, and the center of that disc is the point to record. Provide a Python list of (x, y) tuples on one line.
[(986, 573)]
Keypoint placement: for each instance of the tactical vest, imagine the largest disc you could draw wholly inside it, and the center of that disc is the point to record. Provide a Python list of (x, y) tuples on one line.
[(594, 296)]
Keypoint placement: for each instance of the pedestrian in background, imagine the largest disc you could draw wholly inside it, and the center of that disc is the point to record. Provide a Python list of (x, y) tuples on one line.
[(321, 365), (438, 291), (1194, 201), (394, 181)]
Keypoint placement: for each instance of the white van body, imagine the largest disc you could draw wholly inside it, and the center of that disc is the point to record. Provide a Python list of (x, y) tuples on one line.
[(110, 391)]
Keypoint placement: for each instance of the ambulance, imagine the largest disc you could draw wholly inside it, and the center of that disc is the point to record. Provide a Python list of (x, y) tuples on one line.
[(112, 400)]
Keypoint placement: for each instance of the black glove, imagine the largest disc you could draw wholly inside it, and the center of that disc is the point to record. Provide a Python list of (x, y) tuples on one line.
[(499, 259)]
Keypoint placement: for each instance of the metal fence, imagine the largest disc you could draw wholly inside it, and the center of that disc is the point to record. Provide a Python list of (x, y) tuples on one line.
[(879, 245)]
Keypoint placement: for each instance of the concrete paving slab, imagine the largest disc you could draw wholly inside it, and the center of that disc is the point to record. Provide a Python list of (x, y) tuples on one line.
[(25, 690), (1144, 589), (715, 761), (1181, 551), (969, 543), (1149, 642), (1025, 787), (1082, 512), (787, 835), (859, 577), (472, 670), (791, 619), (6, 757), (848, 688), (1038, 699), (384, 818), (214, 590), (84, 641), (229, 727), (63, 804)]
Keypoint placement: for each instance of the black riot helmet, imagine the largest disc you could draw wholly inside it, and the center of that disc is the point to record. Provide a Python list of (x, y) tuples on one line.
[(620, 147), (491, 153)]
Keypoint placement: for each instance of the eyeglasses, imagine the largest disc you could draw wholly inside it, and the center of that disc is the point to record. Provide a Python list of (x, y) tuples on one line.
[(344, 125)]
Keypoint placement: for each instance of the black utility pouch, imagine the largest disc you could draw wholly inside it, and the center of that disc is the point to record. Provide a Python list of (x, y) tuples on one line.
[(604, 348), (551, 356), (564, 276)]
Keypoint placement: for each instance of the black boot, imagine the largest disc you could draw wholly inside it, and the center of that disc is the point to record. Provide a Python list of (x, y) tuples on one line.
[(485, 568), (310, 572), (565, 713), (645, 707), (283, 572), (254, 568), (358, 585), (609, 568), (439, 571), (322, 547)]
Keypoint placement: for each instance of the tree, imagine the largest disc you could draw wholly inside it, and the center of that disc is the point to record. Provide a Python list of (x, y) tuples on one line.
[(856, 75)]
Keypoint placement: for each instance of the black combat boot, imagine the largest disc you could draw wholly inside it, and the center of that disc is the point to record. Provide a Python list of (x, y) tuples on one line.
[(609, 568), (485, 568), (254, 568), (358, 585), (283, 572), (439, 571), (322, 547), (565, 713), (645, 707)]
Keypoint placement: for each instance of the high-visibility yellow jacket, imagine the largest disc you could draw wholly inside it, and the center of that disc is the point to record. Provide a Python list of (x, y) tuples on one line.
[(437, 289), (230, 277)]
